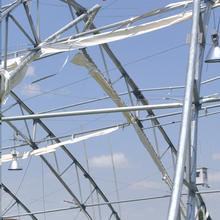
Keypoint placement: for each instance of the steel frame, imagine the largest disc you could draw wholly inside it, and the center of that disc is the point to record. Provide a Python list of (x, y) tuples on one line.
[(192, 98), (26, 60)]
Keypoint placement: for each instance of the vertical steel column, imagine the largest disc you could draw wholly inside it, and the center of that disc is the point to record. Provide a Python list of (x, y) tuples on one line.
[(0, 110), (186, 118), (194, 124)]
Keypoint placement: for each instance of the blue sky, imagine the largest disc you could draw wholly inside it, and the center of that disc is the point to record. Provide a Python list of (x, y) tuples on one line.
[(157, 59)]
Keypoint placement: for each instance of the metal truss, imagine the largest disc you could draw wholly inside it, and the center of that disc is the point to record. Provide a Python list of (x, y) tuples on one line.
[(140, 97), (134, 93), (6, 13)]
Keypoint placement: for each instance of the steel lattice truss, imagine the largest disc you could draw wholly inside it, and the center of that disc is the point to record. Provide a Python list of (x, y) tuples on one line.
[(24, 21)]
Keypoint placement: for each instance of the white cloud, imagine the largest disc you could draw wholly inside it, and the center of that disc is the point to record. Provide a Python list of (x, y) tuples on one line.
[(30, 71), (147, 184), (31, 89), (104, 161), (216, 156)]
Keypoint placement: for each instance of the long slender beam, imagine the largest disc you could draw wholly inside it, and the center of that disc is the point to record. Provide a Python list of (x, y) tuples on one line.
[(12, 195), (186, 118), (93, 111), (195, 115), (1, 82), (33, 29), (69, 154)]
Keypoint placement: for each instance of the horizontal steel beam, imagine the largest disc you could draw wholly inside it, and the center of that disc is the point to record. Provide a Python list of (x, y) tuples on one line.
[(93, 111)]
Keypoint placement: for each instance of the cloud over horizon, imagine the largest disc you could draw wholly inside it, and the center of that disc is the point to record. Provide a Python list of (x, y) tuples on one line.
[(31, 89), (105, 161), (148, 184)]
